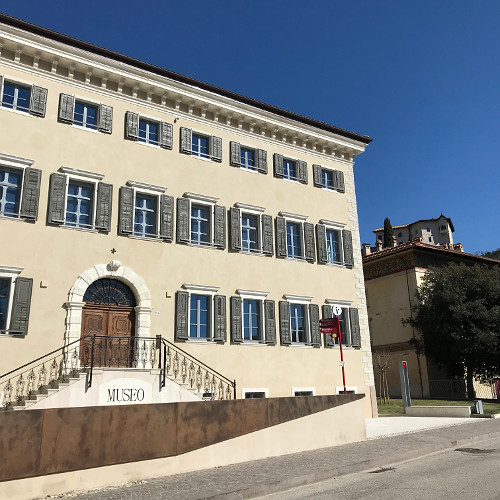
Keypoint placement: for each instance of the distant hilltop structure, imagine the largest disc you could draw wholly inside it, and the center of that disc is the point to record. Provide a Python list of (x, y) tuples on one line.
[(438, 232)]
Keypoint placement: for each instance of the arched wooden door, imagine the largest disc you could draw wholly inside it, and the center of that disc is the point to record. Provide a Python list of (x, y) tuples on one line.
[(108, 314)]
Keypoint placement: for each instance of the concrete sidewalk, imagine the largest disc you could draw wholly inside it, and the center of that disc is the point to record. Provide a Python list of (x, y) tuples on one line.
[(252, 479)]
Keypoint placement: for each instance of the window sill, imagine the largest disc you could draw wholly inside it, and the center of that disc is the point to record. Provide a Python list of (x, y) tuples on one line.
[(201, 158), (293, 181), (81, 127), (255, 254), (296, 259), (83, 229), (16, 218), (301, 346), (17, 112), (333, 264), (148, 144), (254, 343), (145, 238), (197, 245), (251, 170)]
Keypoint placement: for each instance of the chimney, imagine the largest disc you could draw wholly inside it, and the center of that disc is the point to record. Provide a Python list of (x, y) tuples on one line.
[(379, 245), (366, 249), (458, 247), (394, 241)]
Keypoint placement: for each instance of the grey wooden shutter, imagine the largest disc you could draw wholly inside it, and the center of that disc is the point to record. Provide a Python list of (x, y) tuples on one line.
[(216, 148), (166, 135), (267, 234), (285, 334), (57, 192), (261, 159), (21, 306), (235, 153), (347, 240), (186, 140), (280, 237), (105, 119), (131, 126), (235, 218), (183, 235), (314, 317), (355, 330), (31, 193), (220, 318), (181, 315), (126, 211), (66, 108), (236, 320), (219, 226), (321, 243), (339, 181), (317, 181), (104, 201), (327, 313), (278, 165), (310, 250), (302, 172), (269, 322), (166, 217), (38, 101)]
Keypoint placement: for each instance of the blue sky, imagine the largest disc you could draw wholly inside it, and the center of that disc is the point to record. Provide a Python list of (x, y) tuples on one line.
[(422, 78)]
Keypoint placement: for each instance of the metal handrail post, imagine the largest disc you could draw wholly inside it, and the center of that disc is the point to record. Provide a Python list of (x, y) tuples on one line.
[(89, 381), (234, 389)]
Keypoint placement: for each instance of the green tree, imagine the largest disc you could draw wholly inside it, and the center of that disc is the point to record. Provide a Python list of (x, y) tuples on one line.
[(494, 254), (458, 317), (388, 233)]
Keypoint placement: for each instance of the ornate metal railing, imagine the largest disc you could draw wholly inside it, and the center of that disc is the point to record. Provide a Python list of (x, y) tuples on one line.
[(98, 351)]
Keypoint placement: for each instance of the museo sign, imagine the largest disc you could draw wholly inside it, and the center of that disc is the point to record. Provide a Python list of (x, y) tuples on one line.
[(123, 391)]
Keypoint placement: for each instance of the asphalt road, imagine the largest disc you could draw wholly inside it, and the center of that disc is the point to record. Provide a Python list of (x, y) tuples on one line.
[(466, 472)]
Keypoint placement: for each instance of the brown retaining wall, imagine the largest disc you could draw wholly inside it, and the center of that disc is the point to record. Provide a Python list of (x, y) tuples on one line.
[(39, 442)]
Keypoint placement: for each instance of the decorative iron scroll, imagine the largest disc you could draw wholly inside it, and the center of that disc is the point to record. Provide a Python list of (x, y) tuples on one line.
[(109, 292)]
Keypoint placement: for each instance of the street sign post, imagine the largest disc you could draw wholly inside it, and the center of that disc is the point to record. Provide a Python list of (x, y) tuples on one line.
[(405, 384), (331, 326)]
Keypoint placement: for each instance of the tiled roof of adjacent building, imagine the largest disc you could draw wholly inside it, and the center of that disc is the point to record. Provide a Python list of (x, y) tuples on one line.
[(416, 222), (434, 248), (74, 42)]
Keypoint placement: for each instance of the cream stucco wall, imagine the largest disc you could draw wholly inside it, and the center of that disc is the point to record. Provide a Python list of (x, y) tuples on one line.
[(56, 256)]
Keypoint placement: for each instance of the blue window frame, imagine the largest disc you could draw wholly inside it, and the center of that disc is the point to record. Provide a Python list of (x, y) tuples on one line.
[(200, 145), (297, 323), (10, 191), (5, 284), (145, 215), (200, 224), (16, 97), (289, 169), (148, 132), (249, 233), (79, 204), (85, 115), (327, 178), (293, 240), (251, 320), (199, 326), (247, 158), (333, 246)]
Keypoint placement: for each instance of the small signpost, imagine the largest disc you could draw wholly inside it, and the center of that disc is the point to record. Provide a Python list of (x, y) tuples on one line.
[(331, 326), (405, 384)]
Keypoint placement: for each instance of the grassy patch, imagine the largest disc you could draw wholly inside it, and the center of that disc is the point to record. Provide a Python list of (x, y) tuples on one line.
[(395, 406)]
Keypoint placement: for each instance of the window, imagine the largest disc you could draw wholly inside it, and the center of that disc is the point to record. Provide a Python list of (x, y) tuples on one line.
[(293, 240), (200, 221), (79, 199), (299, 321), (443, 227), (248, 158), (201, 145), (328, 178), (15, 299), (349, 324), (303, 391), (379, 237), (334, 244), (19, 187), (291, 169), (24, 98), (400, 235), (148, 132), (252, 318), (251, 230), (16, 97), (145, 211), (84, 114), (200, 314), (294, 237), (255, 393)]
